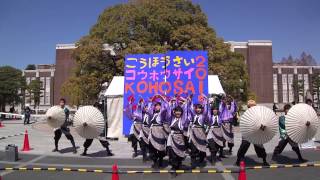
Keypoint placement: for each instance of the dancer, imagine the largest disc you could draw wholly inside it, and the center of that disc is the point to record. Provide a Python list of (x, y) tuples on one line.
[(145, 130), (260, 151), (176, 143), (157, 139), (285, 139), (64, 129), (134, 113), (198, 141), (227, 109), (103, 141), (215, 138)]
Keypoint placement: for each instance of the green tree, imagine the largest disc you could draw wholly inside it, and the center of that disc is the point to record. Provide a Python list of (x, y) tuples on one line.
[(11, 85), (34, 89), (31, 67), (155, 26)]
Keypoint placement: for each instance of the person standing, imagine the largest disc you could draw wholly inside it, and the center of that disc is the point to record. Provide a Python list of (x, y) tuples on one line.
[(145, 130), (227, 109), (157, 137), (215, 138), (103, 141), (285, 139), (64, 129), (27, 114), (176, 143), (260, 151), (198, 138), (134, 113)]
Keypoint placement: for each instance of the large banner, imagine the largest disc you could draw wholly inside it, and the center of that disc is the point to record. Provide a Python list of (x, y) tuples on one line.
[(170, 74)]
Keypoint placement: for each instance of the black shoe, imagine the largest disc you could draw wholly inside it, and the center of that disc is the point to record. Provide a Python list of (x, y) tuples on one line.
[(301, 160), (109, 153), (74, 150), (134, 155), (237, 163), (84, 154), (55, 150), (265, 163), (155, 165)]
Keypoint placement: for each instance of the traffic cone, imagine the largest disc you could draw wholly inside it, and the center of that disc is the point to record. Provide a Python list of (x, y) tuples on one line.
[(242, 173), (115, 175), (26, 146)]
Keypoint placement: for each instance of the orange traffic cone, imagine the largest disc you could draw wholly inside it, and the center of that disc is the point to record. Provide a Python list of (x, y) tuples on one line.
[(26, 146), (1, 125), (242, 173), (115, 175)]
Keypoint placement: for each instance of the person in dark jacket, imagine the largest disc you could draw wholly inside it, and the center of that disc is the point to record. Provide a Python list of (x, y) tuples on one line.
[(64, 129)]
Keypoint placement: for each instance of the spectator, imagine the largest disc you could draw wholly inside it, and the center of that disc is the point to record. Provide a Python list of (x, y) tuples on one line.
[(27, 114)]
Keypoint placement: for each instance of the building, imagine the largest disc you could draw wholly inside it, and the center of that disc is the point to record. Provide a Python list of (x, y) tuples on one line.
[(285, 76), (258, 57), (45, 73)]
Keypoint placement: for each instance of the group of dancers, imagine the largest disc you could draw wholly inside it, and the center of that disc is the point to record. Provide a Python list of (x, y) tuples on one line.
[(176, 126)]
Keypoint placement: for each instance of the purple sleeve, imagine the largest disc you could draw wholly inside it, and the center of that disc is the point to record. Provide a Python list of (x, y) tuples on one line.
[(184, 118), (128, 112)]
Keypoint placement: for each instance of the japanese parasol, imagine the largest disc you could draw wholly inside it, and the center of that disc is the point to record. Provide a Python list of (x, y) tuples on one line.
[(258, 124), (301, 123), (88, 122), (55, 116)]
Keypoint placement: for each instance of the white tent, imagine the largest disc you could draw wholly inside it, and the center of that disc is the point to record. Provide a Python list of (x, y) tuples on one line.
[(114, 97)]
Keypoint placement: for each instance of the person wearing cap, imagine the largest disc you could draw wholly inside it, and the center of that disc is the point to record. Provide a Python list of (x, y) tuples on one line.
[(214, 137), (260, 151), (285, 139), (103, 141), (227, 110), (198, 138), (157, 137), (64, 129)]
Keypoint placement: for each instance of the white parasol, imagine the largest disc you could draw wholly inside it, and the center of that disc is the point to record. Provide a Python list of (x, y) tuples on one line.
[(88, 122), (55, 116), (301, 123), (258, 124)]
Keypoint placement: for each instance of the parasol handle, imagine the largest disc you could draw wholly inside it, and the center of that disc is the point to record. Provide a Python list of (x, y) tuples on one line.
[(49, 117), (308, 123), (262, 127), (85, 124)]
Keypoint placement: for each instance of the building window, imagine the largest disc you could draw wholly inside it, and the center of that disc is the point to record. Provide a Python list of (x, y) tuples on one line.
[(284, 88), (42, 79), (275, 88), (300, 78), (291, 93), (47, 91)]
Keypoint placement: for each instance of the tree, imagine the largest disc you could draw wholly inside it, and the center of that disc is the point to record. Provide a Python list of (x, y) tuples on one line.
[(11, 85), (34, 89), (304, 60), (31, 67), (154, 26)]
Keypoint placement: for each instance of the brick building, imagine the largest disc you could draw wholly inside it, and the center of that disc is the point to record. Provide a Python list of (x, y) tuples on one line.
[(285, 76), (270, 82), (46, 74), (258, 57)]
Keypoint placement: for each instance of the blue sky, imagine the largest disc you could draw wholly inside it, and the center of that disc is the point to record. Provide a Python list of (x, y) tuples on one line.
[(30, 29)]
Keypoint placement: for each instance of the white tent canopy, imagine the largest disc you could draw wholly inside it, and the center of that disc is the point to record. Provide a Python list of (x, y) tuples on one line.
[(114, 97)]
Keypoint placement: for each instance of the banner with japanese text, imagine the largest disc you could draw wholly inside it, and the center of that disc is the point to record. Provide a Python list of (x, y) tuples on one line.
[(169, 74)]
